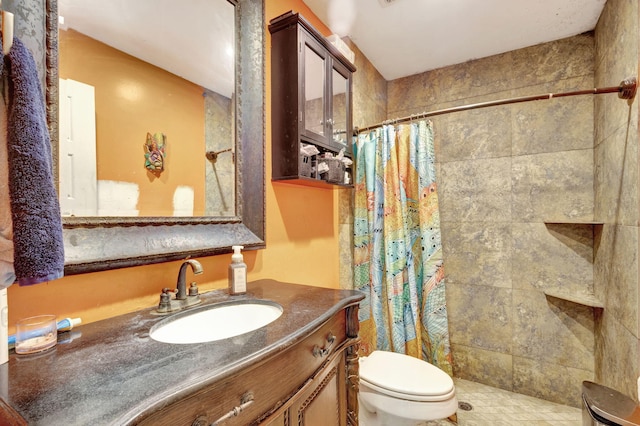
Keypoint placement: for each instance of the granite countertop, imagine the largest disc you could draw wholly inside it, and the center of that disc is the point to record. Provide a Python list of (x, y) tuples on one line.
[(113, 372)]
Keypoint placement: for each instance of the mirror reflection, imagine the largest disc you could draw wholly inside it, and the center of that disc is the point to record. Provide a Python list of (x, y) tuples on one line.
[(314, 66), (339, 103), (147, 108)]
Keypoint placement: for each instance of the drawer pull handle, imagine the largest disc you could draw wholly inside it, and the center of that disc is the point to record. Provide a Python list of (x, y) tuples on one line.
[(320, 352), (245, 401)]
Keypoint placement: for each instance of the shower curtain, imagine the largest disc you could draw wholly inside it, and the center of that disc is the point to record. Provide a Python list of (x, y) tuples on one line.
[(398, 253)]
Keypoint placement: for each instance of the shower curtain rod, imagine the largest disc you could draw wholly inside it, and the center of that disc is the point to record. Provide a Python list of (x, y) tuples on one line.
[(626, 90)]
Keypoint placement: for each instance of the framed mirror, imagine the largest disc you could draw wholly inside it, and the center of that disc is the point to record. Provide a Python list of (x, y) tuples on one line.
[(106, 240)]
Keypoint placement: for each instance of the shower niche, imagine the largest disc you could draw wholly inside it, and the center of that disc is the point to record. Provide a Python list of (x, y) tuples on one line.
[(311, 106), (586, 296)]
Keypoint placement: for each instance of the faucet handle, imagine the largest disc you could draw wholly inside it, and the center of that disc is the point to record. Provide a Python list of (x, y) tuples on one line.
[(193, 289), (165, 300)]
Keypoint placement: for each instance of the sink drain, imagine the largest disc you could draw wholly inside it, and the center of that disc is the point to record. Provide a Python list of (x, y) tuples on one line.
[(465, 406)]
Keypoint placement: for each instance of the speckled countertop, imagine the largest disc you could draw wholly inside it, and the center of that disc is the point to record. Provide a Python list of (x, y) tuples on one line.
[(114, 372)]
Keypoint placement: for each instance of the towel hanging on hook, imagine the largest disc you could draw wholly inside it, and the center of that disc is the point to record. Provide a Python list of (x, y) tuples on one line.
[(7, 30)]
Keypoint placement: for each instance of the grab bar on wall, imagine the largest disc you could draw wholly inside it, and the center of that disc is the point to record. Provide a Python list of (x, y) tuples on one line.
[(626, 90)]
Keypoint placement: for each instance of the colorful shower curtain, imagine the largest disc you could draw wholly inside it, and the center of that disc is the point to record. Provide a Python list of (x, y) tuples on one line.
[(398, 253)]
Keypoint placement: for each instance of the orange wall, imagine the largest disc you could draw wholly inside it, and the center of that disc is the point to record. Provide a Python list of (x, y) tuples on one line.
[(132, 98), (302, 245)]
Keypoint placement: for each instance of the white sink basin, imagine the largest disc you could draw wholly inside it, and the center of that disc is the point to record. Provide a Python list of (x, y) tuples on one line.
[(215, 322)]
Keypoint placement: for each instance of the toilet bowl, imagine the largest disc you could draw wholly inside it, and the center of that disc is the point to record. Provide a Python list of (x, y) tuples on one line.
[(401, 390)]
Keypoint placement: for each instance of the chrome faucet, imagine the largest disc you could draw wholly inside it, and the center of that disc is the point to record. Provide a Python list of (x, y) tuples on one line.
[(182, 299)]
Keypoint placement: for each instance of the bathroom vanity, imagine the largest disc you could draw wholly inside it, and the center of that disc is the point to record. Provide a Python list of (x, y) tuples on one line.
[(300, 369)]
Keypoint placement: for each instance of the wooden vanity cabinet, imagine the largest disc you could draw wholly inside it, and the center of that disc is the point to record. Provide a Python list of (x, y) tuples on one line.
[(313, 382), (322, 401), (311, 86)]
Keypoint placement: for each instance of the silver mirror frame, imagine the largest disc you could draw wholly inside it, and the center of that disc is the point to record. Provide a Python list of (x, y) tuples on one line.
[(103, 243)]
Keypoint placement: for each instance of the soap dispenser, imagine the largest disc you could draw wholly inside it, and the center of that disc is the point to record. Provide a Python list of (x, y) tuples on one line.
[(237, 272)]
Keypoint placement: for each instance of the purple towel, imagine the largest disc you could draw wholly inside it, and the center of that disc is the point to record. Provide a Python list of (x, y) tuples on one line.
[(35, 210)]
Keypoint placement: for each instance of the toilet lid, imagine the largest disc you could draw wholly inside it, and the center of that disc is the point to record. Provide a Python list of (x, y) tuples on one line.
[(405, 376)]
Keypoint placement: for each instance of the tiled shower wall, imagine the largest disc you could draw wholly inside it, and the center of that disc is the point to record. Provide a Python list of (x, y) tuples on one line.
[(513, 179), (616, 199), (517, 190), (504, 173), (219, 195)]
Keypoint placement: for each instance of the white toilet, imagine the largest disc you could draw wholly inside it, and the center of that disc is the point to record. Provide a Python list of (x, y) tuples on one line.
[(400, 390)]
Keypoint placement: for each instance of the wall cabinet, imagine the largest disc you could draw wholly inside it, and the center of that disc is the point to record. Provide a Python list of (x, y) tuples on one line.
[(314, 382), (311, 85)]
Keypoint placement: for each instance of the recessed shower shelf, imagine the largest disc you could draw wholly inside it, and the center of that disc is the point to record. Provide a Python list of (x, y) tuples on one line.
[(582, 299)]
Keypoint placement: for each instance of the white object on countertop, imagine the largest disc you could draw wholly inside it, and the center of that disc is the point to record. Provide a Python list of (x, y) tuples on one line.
[(68, 323), (237, 272), (4, 327)]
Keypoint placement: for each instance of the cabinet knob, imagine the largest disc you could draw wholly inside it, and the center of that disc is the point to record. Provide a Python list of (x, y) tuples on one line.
[(320, 352), (200, 421)]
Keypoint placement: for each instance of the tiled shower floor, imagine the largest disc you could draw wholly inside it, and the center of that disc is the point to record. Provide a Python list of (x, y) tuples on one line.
[(497, 407)]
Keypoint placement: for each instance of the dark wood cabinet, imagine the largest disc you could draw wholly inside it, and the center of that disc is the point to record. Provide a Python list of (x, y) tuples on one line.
[(314, 382), (322, 401), (310, 105), (302, 368)]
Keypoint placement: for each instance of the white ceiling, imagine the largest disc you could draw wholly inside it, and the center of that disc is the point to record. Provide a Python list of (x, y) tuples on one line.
[(407, 37), (401, 38)]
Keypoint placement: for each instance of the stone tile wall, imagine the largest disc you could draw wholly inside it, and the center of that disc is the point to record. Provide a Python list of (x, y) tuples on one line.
[(369, 107), (616, 200), (220, 195), (505, 173)]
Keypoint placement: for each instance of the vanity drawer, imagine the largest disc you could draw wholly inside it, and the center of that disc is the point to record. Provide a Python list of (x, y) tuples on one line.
[(268, 384)]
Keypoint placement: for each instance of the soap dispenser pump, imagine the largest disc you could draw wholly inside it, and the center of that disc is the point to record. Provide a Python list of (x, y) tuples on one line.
[(237, 272)]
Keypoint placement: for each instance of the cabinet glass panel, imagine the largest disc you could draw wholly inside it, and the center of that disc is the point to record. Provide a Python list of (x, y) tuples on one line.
[(339, 119), (314, 102)]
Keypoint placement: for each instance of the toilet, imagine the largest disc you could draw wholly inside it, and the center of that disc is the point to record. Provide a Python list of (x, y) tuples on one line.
[(400, 390)]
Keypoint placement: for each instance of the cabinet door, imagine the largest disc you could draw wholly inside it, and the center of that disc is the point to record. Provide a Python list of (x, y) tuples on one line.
[(325, 402), (340, 106), (313, 102)]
